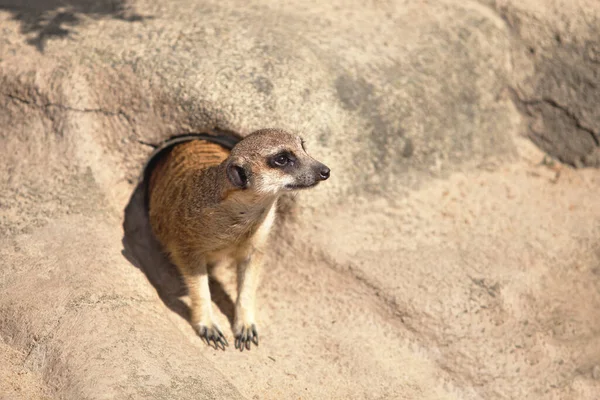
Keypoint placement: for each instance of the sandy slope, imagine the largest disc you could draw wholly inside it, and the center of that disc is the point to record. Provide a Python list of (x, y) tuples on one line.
[(446, 258)]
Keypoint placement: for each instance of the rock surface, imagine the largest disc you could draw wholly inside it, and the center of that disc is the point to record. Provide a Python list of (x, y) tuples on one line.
[(447, 257)]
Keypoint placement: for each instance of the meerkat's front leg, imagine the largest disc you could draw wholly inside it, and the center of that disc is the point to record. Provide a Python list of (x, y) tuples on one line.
[(244, 327), (202, 318)]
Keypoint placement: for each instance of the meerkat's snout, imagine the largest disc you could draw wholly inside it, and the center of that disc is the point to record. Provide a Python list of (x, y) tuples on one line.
[(324, 172), (308, 175), (296, 169)]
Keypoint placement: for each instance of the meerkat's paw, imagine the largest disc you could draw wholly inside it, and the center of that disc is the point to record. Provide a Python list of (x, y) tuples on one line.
[(211, 331), (244, 334)]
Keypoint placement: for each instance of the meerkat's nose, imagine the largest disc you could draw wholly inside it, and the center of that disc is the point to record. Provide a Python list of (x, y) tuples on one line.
[(324, 173)]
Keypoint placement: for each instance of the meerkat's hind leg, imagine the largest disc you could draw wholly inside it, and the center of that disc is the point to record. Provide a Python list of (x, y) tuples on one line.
[(244, 327), (202, 319)]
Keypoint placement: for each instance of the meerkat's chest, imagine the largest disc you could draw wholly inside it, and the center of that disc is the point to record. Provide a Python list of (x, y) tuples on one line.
[(244, 224), (240, 227), (241, 238)]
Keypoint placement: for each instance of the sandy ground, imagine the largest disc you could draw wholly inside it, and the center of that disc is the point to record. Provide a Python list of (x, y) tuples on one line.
[(448, 257)]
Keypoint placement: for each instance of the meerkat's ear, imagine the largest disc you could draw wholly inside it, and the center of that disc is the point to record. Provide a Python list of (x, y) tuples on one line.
[(237, 174)]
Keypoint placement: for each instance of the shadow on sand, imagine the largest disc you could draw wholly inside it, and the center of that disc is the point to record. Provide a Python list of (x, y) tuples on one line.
[(48, 19)]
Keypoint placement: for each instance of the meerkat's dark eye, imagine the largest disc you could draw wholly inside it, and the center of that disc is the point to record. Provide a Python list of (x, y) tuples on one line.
[(281, 160)]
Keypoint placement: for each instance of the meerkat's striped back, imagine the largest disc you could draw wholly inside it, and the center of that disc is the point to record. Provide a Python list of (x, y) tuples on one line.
[(187, 157)]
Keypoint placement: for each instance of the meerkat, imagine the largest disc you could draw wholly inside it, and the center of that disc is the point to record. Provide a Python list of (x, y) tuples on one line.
[(208, 205)]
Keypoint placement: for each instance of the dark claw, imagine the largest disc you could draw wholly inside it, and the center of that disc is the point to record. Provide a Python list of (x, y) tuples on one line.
[(220, 333), (255, 339), (224, 340), (239, 340), (240, 343), (246, 338), (213, 334), (202, 331)]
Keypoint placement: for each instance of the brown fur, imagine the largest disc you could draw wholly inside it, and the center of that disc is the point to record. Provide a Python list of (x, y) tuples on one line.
[(208, 205)]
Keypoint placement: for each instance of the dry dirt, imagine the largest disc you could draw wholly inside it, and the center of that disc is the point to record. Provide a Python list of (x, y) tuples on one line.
[(453, 254)]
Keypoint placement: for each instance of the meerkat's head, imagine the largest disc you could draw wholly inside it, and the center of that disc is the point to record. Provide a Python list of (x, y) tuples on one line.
[(271, 161)]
